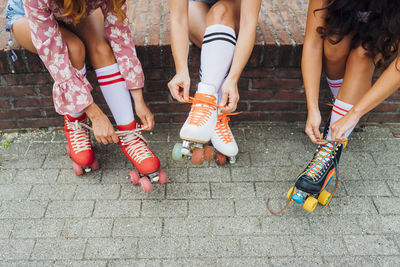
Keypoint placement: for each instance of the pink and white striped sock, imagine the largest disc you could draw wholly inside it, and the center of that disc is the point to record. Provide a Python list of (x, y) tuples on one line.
[(118, 98), (334, 85), (339, 109)]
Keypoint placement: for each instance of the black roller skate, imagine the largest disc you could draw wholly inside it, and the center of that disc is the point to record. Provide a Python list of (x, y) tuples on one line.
[(310, 185)]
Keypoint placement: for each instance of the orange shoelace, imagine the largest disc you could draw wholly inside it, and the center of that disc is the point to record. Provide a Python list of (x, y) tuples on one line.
[(202, 107), (222, 128)]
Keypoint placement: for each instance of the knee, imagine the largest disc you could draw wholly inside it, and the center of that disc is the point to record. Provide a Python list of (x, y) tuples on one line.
[(360, 58), (220, 13), (101, 50)]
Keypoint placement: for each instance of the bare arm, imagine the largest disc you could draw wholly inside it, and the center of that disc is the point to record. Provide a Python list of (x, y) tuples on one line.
[(248, 22), (386, 85), (311, 67), (179, 85)]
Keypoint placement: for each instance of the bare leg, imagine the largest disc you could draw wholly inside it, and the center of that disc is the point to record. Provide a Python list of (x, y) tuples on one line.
[(225, 12), (197, 22), (358, 76), (76, 50), (91, 32), (335, 58)]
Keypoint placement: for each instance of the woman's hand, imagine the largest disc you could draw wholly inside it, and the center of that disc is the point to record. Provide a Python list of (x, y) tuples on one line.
[(230, 96), (141, 109), (102, 128), (145, 116), (179, 86), (341, 126), (312, 126)]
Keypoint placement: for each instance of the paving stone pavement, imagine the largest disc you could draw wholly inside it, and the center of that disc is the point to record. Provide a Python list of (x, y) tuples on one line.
[(206, 215)]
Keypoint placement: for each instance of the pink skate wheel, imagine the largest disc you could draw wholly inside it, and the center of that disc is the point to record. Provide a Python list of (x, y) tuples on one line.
[(162, 177), (77, 169), (208, 153), (68, 151), (220, 159), (134, 177), (198, 156), (95, 165), (145, 184)]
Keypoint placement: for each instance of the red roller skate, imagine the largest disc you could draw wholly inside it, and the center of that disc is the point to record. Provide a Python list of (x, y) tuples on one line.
[(146, 163), (79, 146)]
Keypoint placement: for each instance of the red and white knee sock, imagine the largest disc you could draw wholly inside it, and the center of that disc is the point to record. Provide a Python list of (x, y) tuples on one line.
[(339, 109), (334, 85), (83, 73), (118, 98), (216, 54)]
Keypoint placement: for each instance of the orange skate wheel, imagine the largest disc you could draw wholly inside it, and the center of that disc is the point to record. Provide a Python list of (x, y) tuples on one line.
[(145, 184), (198, 156), (220, 159), (77, 169), (134, 177), (162, 177), (95, 165), (208, 153)]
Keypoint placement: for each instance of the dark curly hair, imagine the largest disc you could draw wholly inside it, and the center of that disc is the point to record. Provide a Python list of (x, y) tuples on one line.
[(378, 33)]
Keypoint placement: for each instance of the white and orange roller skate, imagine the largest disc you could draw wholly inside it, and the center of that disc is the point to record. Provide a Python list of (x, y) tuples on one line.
[(143, 159), (223, 141), (79, 147), (199, 126)]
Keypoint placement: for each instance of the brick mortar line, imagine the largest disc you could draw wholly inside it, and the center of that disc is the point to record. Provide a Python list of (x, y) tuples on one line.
[(295, 17), (284, 24), (271, 27)]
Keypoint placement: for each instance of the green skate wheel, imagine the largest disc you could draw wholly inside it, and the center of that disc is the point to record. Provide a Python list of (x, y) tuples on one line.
[(177, 152)]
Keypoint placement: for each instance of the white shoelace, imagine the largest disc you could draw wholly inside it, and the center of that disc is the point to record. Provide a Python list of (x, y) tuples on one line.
[(135, 145), (79, 137)]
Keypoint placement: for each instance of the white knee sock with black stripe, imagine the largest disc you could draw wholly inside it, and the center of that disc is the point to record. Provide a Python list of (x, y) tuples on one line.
[(339, 109), (118, 98), (216, 54)]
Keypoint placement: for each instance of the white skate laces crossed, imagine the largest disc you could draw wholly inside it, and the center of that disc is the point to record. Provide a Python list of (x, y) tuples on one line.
[(135, 145), (222, 127), (79, 136), (202, 107)]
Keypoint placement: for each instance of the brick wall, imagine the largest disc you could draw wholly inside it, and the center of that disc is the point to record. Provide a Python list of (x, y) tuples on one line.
[(270, 87)]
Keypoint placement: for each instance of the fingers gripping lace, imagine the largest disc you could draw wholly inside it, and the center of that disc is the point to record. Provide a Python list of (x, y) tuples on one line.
[(202, 107), (79, 136), (222, 128), (135, 145)]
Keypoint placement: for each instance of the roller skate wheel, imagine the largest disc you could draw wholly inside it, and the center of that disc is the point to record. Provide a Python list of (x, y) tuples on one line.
[(177, 152), (145, 184), (198, 156), (134, 177), (324, 197), (290, 192), (162, 177), (220, 159), (95, 165), (208, 153), (310, 204), (77, 169)]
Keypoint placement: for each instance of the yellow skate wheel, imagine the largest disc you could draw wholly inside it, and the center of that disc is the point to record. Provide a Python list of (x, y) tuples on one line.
[(290, 191), (310, 204), (324, 197)]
